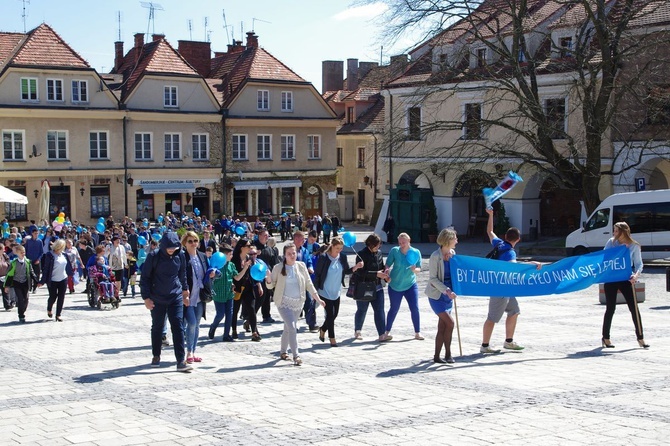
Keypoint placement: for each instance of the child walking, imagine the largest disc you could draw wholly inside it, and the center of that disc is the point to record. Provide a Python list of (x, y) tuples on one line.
[(21, 278)]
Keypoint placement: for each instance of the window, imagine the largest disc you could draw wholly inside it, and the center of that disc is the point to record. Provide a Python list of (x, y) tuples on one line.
[(414, 123), (56, 145), (314, 142), (287, 101), (264, 147), (288, 147), (55, 90), (263, 100), (172, 147), (361, 198), (350, 115), (555, 111), (480, 56), (15, 211), (340, 156), (565, 44), (142, 146), (361, 157), (169, 96), (29, 89), (12, 145), (100, 202), (98, 145), (79, 91), (658, 105), (239, 147), (472, 125), (200, 146), (599, 220), (646, 217)]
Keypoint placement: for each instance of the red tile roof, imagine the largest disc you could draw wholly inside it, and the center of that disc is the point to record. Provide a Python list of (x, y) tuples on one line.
[(40, 47), (234, 69)]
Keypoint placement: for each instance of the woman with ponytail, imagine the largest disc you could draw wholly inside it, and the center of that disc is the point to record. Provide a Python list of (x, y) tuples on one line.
[(290, 280)]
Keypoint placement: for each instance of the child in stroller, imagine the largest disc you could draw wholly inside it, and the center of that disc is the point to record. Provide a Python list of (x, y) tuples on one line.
[(103, 284)]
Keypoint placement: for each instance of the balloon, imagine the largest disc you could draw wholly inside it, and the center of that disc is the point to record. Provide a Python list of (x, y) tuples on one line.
[(218, 260), (240, 230), (101, 220), (100, 227), (18, 238), (141, 240), (5, 235), (78, 229), (349, 239), (40, 236), (68, 223), (412, 256), (141, 255), (156, 237), (190, 221), (258, 271), (5, 225), (61, 214), (160, 219), (58, 227), (60, 219), (196, 211)]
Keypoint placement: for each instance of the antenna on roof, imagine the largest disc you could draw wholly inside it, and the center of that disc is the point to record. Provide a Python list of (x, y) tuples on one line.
[(153, 7), (225, 25), (254, 20), (190, 29), (118, 19), (24, 14), (206, 33)]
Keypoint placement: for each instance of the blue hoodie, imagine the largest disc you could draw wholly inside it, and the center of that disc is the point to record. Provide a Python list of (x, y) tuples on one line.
[(163, 279)]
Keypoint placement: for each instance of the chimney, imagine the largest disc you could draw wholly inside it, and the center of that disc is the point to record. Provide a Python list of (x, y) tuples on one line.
[(365, 67), (252, 40), (352, 74), (118, 55), (399, 60), (220, 53), (197, 54), (156, 37), (236, 47), (331, 75), (139, 40)]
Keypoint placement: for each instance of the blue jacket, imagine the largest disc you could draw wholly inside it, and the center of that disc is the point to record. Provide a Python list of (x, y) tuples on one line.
[(48, 266), (163, 276), (34, 249)]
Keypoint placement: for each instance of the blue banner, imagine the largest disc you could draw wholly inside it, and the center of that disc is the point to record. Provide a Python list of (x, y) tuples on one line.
[(475, 276)]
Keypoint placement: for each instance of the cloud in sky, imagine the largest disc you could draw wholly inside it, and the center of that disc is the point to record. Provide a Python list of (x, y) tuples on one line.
[(361, 12)]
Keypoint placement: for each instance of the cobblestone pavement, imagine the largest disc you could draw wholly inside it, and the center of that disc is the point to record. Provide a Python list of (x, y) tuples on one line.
[(87, 380)]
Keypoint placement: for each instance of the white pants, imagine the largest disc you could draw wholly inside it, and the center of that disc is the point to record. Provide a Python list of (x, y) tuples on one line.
[(290, 334)]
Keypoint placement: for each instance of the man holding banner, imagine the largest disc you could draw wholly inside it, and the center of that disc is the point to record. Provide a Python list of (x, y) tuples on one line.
[(500, 305)]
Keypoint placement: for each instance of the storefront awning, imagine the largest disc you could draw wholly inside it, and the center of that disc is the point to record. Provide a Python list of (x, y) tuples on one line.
[(168, 188), (264, 184)]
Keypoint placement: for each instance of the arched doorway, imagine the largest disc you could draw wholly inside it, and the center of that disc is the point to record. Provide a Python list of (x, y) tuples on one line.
[(470, 185), (312, 202), (412, 206), (559, 210)]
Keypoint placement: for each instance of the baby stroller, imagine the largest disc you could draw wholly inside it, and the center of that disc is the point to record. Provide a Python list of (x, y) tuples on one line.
[(102, 288)]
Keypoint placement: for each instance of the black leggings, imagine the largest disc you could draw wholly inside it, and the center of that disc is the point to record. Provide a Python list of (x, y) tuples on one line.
[(249, 309), (57, 294), (332, 309), (626, 289)]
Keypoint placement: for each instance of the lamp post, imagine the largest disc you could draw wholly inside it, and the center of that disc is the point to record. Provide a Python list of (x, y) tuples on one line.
[(224, 151)]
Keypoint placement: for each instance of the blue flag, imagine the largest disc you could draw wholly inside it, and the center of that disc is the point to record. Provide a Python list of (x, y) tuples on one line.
[(474, 276)]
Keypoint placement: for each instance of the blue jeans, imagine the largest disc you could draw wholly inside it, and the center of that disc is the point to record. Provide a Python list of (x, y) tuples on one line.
[(377, 307), (310, 311), (174, 311), (223, 309), (192, 316), (395, 298)]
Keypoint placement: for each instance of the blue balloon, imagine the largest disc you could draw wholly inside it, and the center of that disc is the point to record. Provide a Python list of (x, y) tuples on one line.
[(67, 223), (101, 220), (100, 227), (349, 239), (190, 221), (78, 229), (240, 230), (141, 255), (258, 271), (18, 238), (40, 236), (5, 224), (218, 260), (141, 240), (156, 236), (196, 211), (160, 219), (412, 256)]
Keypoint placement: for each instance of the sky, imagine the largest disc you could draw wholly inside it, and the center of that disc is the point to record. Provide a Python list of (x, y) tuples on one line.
[(300, 33)]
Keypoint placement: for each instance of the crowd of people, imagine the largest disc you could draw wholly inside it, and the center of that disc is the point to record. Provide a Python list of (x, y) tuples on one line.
[(187, 262)]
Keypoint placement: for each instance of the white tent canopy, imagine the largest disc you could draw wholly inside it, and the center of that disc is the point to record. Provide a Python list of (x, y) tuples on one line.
[(9, 196)]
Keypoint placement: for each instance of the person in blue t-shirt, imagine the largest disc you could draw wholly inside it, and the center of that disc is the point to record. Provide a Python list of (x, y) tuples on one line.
[(500, 305)]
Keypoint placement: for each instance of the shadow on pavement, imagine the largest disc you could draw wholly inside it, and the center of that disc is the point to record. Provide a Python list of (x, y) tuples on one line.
[(124, 371)]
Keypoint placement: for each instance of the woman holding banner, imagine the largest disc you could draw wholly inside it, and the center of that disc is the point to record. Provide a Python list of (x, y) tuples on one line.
[(440, 295), (621, 232)]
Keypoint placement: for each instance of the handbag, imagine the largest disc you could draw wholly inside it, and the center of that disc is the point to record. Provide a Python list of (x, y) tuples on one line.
[(206, 294), (237, 295), (366, 291), (351, 291)]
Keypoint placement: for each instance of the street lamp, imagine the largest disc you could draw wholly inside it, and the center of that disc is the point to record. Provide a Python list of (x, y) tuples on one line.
[(224, 150)]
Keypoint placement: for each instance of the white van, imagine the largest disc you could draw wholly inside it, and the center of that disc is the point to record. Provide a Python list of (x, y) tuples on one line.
[(647, 213)]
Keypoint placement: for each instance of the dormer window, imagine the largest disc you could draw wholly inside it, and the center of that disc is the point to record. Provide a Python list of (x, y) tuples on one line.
[(565, 45), (480, 55), (170, 96), (80, 91), (29, 89), (55, 90), (263, 100), (351, 117)]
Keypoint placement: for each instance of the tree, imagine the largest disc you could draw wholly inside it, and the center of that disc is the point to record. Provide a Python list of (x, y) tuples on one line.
[(611, 63)]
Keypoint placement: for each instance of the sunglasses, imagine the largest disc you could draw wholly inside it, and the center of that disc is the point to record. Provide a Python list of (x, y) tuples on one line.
[(191, 241)]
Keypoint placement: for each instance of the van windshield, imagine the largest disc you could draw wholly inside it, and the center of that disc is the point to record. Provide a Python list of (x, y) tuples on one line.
[(599, 219)]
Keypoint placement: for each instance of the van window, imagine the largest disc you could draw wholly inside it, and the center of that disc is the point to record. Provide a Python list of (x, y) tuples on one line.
[(646, 217), (600, 219)]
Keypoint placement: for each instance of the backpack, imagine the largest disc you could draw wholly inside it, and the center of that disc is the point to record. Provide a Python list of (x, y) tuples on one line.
[(495, 253)]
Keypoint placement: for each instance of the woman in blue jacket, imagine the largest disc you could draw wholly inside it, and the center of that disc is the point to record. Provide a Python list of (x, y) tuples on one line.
[(55, 271)]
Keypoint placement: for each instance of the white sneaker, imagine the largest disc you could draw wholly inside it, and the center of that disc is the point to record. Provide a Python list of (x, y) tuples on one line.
[(512, 346), (357, 335), (488, 349)]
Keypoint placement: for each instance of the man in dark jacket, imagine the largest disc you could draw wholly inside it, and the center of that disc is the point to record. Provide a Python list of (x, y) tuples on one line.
[(164, 289), (268, 255), (34, 252)]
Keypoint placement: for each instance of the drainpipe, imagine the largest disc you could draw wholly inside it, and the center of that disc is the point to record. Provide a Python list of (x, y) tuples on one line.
[(224, 160), (390, 141), (125, 167)]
